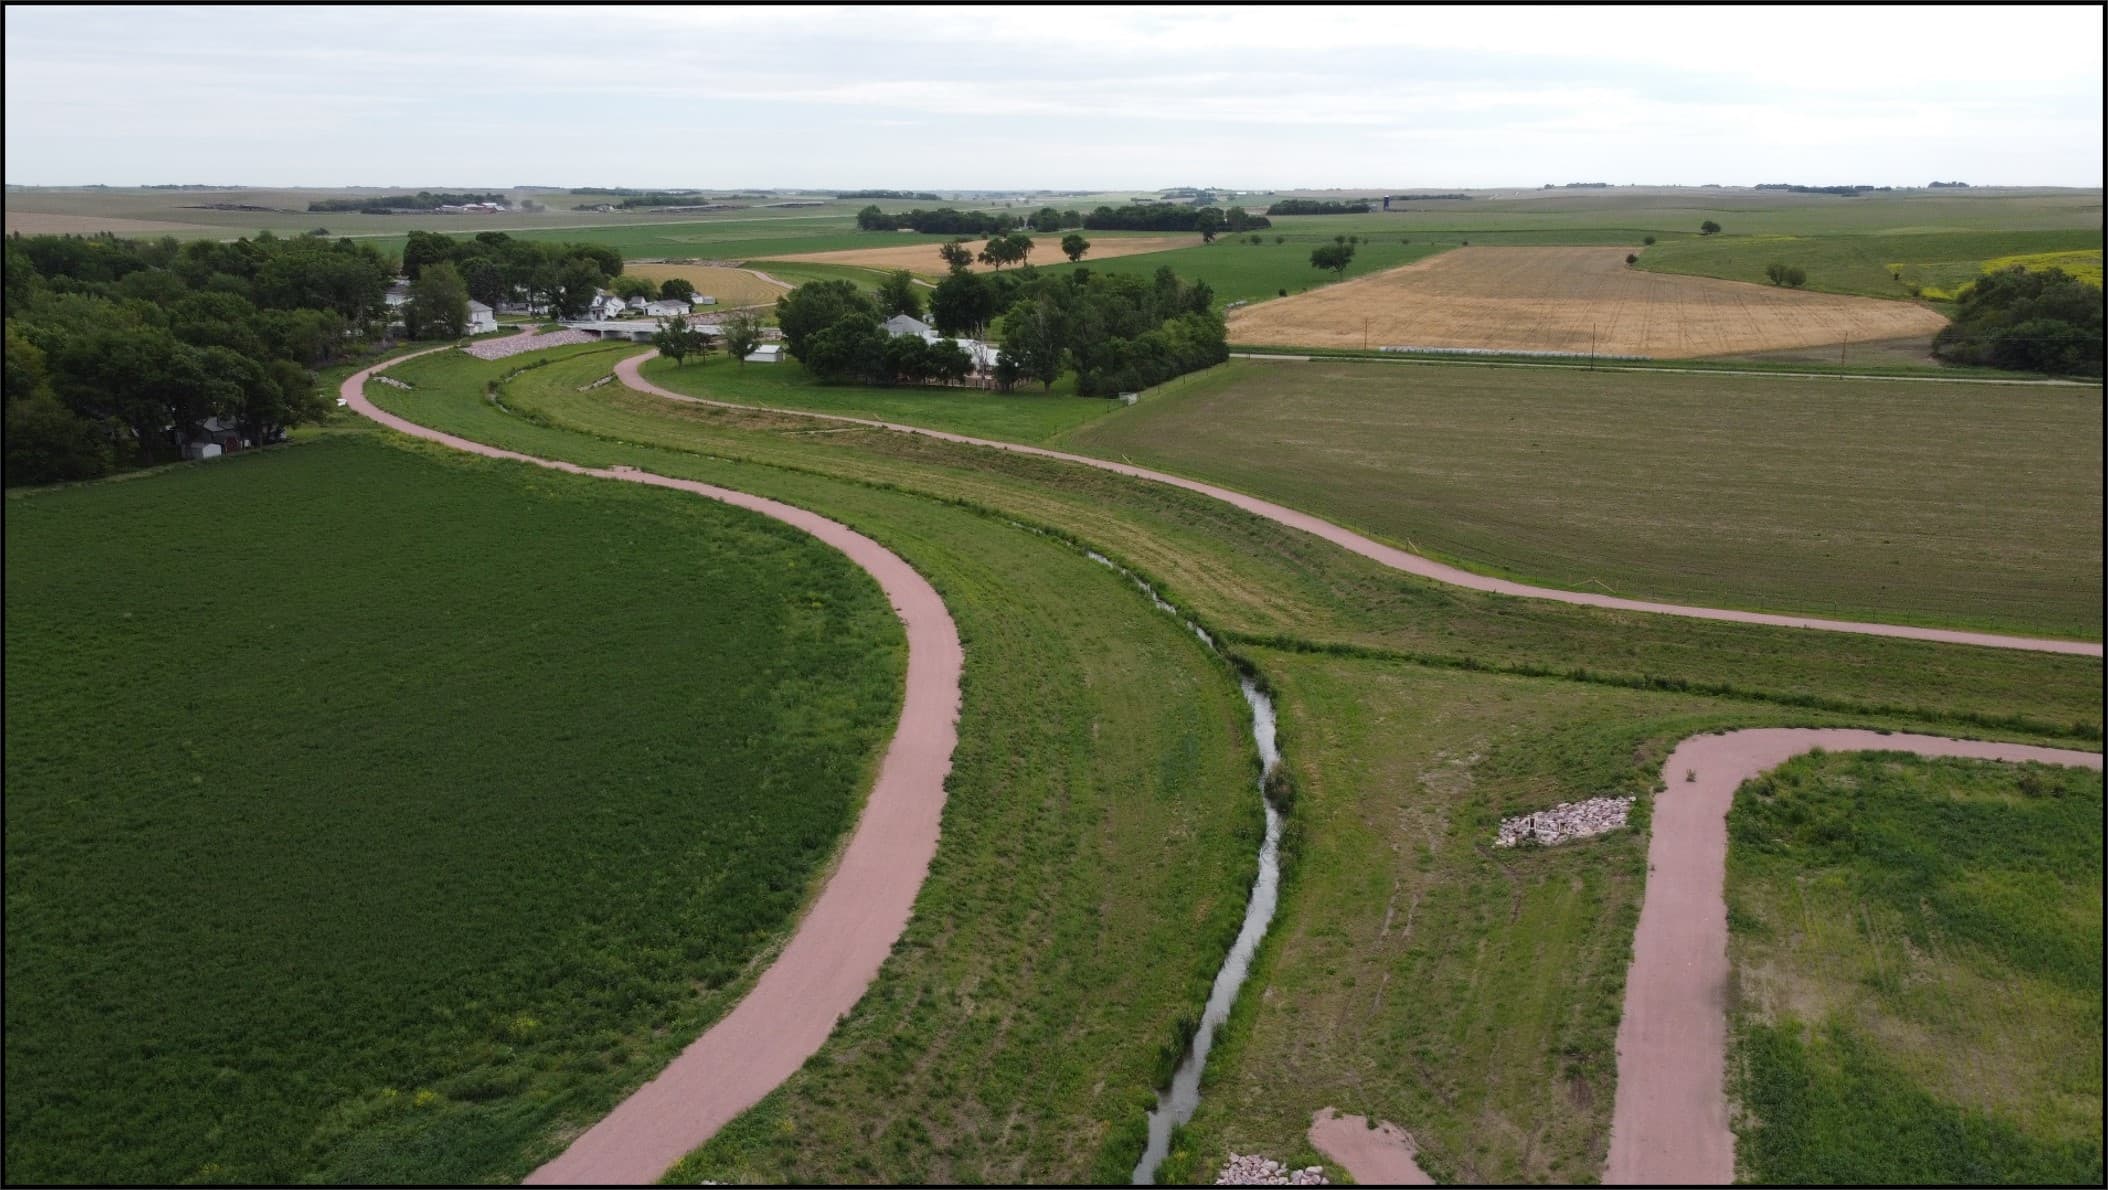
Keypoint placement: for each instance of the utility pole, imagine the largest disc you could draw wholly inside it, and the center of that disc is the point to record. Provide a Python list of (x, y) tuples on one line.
[(1841, 350), (1591, 346), (1364, 334)]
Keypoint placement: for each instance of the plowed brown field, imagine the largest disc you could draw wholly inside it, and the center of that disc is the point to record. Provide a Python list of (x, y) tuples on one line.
[(1046, 248), (1568, 299), (44, 223)]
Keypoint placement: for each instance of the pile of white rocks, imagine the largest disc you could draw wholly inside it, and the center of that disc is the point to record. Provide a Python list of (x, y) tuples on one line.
[(607, 379), (1567, 820), (515, 344), (392, 382), (1254, 1170)]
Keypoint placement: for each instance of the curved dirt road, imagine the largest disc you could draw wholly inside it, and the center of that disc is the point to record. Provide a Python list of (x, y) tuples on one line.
[(850, 927), (1670, 1124), (1393, 557)]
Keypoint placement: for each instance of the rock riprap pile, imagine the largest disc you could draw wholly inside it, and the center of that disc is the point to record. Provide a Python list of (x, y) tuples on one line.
[(515, 344), (1242, 1170), (1567, 820)]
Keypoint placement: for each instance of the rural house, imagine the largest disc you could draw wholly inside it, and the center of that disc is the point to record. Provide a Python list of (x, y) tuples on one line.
[(481, 320), (666, 307), (902, 324)]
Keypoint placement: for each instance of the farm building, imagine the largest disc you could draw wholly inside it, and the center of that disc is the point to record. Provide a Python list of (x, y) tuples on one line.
[(397, 294), (215, 437), (902, 324), (983, 354), (767, 353), (481, 319), (666, 307), (636, 303)]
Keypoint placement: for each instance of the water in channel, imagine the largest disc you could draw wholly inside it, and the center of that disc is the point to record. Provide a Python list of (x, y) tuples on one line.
[(1175, 1103)]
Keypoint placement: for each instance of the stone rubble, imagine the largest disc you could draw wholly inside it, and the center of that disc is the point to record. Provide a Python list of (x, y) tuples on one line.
[(1567, 820), (515, 344), (392, 382), (1254, 1170)]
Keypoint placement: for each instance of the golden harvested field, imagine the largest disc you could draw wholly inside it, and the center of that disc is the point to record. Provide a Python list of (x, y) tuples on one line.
[(731, 287), (1046, 248), (42, 223), (1569, 299)]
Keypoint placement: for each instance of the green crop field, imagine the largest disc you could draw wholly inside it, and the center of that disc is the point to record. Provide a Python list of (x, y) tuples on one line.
[(1098, 839), (895, 1094), (1877, 265), (1930, 503), (1917, 949), (373, 813)]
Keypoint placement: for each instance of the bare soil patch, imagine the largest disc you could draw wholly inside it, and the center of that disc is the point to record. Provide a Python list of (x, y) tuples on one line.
[(922, 255), (730, 286), (45, 223), (1570, 299)]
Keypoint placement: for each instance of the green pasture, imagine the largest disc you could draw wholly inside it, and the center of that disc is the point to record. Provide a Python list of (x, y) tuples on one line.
[(1917, 952), (374, 813), (1926, 503), (1098, 839), (1876, 265), (1026, 415)]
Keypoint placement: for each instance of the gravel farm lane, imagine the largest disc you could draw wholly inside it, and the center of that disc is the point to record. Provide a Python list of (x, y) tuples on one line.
[(849, 928), (1398, 559), (1670, 1126)]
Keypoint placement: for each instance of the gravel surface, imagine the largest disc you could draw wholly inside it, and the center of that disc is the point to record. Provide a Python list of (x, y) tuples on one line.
[(1567, 820)]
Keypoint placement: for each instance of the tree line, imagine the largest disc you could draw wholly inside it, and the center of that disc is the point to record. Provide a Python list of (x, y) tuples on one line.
[(1208, 221), (118, 351), (1118, 333), (943, 221), (423, 200), (903, 195), (496, 268), (1315, 206)]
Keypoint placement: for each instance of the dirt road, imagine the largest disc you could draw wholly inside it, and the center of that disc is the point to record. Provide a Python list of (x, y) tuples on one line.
[(1398, 559), (849, 928), (1670, 1124)]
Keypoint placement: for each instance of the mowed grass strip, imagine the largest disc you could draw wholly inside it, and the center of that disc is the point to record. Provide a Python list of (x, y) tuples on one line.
[(1917, 995), (1100, 834), (376, 814), (1944, 504), (1251, 579)]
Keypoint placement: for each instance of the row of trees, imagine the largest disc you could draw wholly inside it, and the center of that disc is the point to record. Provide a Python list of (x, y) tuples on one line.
[(423, 200), (496, 268), (2028, 320), (1209, 221), (1791, 276), (118, 351), (943, 221), (1314, 206)]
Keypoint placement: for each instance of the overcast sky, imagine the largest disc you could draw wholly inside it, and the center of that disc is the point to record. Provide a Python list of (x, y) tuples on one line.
[(1112, 98)]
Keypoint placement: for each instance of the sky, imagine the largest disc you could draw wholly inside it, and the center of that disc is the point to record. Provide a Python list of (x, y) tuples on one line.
[(1098, 98)]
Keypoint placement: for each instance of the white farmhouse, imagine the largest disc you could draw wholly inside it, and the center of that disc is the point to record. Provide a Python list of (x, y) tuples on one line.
[(481, 319), (666, 308)]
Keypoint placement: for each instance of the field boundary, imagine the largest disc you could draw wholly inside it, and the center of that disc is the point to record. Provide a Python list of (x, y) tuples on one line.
[(1304, 356), (1670, 1123), (1392, 556), (848, 929)]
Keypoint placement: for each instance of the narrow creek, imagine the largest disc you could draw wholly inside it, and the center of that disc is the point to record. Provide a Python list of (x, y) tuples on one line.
[(1175, 1104)]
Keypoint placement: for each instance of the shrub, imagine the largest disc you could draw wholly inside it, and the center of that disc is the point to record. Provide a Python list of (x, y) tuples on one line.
[(1632, 258)]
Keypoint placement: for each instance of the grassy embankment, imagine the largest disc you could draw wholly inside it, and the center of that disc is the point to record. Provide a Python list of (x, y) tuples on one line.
[(1257, 583), (1098, 839), (1936, 503), (373, 814), (1917, 946)]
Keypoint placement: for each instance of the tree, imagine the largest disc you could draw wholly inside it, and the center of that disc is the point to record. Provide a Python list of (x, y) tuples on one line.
[(1332, 256), (1073, 246), (948, 362), (1006, 249), (630, 286), (438, 305), (676, 340), (962, 304), (1708, 228), (897, 295), (1632, 258), (742, 334), (852, 350), (2028, 320), (572, 286), (1046, 219), (956, 256), (677, 289), (1647, 240), (1035, 335), (817, 305), (1796, 276), (1211, 224)]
